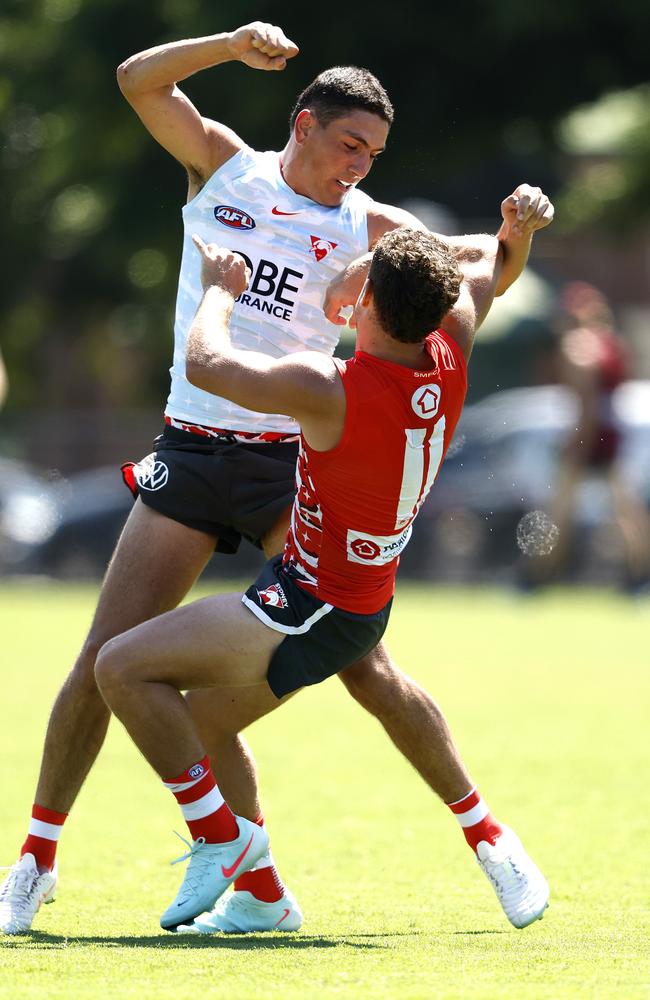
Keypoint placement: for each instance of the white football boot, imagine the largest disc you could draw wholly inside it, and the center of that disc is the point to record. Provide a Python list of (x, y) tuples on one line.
[(519, 884), (212, 868), (22, 893), (241, 913)]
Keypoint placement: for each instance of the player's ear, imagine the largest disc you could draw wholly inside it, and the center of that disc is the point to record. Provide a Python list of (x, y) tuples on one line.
[(303, 125), (366, 295)]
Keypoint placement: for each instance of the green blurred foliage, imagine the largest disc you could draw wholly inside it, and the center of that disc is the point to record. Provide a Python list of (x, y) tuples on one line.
[(609, 141), (91, 217)]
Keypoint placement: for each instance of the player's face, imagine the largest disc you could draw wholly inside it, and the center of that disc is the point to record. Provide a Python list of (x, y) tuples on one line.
[(339, 155)]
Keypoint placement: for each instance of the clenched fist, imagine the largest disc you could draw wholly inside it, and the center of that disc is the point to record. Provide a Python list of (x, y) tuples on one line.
[(261, 46)]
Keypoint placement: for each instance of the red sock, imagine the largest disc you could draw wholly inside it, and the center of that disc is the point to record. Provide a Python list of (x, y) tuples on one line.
[(263, 880), (202, 804), (477, 821), (44, 831)]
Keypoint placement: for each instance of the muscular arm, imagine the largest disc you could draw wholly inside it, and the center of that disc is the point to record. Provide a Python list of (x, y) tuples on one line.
[(524, 212), (305, 385), (481, 263), (149, 80)]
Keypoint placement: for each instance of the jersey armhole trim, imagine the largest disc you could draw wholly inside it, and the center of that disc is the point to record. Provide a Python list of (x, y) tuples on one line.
[(350, 414), (196, 200)]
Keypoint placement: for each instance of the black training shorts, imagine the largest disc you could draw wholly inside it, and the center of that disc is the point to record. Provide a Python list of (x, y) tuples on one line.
[(231, 490), (320, 640)]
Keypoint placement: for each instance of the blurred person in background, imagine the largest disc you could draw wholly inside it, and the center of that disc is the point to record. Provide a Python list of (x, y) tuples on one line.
[(592, 360)]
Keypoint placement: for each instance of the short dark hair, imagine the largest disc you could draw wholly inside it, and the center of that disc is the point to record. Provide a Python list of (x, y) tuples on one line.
[(341, 89), (415, 282)]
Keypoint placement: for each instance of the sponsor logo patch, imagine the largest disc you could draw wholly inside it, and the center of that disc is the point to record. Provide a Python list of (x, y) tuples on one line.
[(375, 550), (151, 474), (277, 211), (364, 549), (425, 401), (274, 595), (196, 771), (234, 218), (320, 248), (272, 290)]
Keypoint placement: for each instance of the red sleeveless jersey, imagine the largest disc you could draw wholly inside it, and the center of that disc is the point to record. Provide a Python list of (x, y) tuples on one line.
[(355, 504)]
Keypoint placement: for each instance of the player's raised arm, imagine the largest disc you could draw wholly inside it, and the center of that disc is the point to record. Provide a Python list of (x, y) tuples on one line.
[(524, 212), (305, 385), (343, 291), (149, 80), (490, 264)]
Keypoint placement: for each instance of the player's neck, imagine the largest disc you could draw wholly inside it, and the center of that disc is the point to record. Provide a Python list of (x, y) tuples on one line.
[(292, 174), (377, 343)]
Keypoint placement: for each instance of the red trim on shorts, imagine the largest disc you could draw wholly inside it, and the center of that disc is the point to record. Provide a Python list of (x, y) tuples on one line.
[(267, 437)]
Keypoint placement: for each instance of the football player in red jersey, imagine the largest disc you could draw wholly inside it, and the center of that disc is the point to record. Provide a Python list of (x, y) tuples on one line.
[(316, 610), (339, 126)]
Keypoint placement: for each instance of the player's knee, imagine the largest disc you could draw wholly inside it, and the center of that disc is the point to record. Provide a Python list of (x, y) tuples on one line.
[(112, 671), (83, 672)]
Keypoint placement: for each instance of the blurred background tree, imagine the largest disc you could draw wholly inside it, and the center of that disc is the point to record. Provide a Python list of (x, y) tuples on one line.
[(485, 92)]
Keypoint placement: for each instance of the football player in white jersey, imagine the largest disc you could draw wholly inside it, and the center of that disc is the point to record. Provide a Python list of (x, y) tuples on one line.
[(339, 126)]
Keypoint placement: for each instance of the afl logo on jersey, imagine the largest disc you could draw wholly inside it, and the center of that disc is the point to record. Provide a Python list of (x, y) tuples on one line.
[(150, 474), (234, 218), (426, 400)]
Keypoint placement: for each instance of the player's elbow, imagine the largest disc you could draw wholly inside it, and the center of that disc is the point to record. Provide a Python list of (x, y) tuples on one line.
[(123, 76), (199, 373), (127, 77)]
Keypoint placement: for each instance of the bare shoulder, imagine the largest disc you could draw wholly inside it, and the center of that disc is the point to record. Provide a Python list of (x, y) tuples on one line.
[(223, 143), (461, 321), (475, 249), (384, 218), (314, 367)]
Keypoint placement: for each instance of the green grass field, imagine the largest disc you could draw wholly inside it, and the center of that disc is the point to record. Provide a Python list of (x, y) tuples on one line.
[(549, 700)]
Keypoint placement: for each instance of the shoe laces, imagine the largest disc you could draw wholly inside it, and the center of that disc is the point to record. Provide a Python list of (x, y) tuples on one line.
[(194, 847), (507, 878), (19, 884), (199, 861)]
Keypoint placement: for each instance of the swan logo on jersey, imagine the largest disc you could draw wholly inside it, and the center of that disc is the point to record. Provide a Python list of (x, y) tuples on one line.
[(150, 474), (273, 595), (320, 248), (375, 550), (425, 401), (196, 771), (234, 218)]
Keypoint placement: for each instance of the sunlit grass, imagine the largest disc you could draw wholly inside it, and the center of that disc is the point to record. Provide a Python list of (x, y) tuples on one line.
[(548, 698)]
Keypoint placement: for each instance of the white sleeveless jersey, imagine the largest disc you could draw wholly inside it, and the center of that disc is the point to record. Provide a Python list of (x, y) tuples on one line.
[(294, 248)]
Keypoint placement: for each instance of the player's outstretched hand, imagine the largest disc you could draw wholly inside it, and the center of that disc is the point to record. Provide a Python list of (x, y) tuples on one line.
[(222, 267), (262, 46), (526, 210)]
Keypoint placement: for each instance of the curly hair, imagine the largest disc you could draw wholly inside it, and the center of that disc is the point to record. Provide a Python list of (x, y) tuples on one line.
[(342, 89), (415, 282)]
